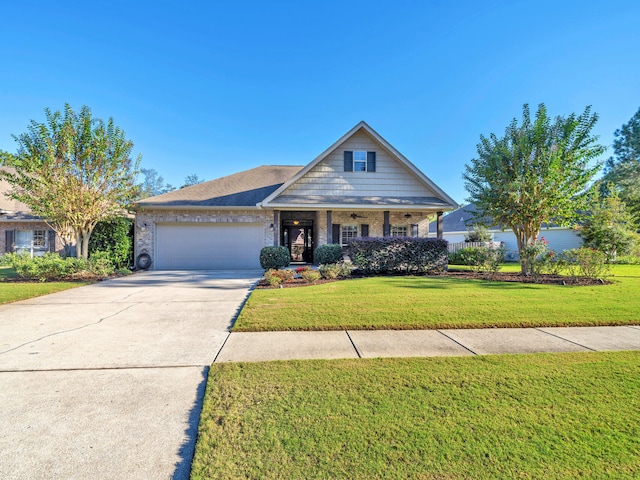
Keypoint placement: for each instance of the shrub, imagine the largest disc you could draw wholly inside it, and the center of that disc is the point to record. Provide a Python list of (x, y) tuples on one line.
[(311, 276), (327, 254), (50, 266), (398, 255), (274, 257), (115, 237), (627, 260), (481, 259), (102, 263), (587, 262), (478, 234), (335, 270), (275, 277)]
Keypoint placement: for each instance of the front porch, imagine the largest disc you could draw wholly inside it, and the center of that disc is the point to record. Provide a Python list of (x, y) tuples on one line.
[(301, 231)]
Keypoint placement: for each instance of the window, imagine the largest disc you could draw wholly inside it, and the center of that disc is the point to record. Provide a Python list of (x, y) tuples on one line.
[(359, 161), (33, 242), (399, 231), (348, 233)]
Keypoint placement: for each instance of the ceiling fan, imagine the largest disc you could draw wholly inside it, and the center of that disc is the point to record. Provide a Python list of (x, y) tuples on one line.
[(355, 215)]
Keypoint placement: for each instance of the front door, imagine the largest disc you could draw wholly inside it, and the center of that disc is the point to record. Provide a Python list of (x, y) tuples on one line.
[(299, 241)]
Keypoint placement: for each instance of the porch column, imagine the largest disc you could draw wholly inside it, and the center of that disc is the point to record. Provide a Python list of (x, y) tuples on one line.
[(386, 227), (276, 228), (329, 226), (439, 226)]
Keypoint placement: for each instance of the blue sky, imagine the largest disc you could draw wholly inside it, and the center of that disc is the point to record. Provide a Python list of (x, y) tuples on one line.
[(214, 88)]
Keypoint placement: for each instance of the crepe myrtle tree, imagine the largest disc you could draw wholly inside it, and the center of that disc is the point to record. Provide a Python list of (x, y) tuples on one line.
[(73, 171), (538, 172)]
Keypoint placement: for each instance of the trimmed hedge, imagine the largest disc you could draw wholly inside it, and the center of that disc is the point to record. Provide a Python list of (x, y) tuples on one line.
[(327, 254), (274, 257), (399, 255)]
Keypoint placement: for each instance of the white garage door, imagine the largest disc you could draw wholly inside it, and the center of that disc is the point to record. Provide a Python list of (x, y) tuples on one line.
[(211, 246)]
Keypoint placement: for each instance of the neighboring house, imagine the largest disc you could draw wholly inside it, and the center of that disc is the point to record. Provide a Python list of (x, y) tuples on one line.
[(457, 224), (22, 232), (360, 186)]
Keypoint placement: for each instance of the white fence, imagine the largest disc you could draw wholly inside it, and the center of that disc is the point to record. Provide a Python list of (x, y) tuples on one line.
[(454, 247)]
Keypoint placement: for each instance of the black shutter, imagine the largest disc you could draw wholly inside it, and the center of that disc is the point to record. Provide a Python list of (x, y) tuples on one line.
[(371, 161), (8, 241), (414, 230), (335, 233), (52, 240), (348, 161), (364, 230)]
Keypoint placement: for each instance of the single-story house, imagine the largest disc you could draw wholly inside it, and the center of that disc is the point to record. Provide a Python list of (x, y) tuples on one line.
[(360, 186), (23, 232), (457, 224)]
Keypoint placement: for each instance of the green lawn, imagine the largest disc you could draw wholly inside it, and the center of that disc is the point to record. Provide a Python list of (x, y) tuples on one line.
[(12, 291), (530, 416), (442, 302)]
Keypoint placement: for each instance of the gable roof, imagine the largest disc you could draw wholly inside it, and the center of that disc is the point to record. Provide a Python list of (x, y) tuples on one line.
[(443, 200), (243, 189)]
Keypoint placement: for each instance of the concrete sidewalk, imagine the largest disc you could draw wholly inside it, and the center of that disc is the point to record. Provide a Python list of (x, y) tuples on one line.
[(262, 346)]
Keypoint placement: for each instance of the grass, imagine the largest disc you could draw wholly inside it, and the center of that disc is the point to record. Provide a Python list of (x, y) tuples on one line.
[(529, 416), (442, 302), (13, 291)]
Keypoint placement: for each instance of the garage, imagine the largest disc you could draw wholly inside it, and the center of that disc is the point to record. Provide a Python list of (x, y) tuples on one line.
[(210, 246)]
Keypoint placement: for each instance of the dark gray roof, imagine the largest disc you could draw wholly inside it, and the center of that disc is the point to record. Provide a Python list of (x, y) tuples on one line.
[(244, 189), (464, 218), (356, 200), (461, 220)]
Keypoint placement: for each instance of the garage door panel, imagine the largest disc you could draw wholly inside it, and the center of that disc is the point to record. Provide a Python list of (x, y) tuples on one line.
[(225, 246)]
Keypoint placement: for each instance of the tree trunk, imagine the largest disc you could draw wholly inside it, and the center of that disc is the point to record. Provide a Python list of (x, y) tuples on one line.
[(86, 235)]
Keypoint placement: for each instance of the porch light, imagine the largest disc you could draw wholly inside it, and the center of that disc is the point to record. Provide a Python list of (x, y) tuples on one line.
[(296, 222)]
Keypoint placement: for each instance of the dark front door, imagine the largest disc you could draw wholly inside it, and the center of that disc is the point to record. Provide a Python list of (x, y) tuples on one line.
[(299, 240)]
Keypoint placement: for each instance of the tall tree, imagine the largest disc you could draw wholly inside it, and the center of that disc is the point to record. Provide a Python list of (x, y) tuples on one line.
[(153, 184), (536, 173), (73, 171), (609, 227), (623, 168), (192, 179)]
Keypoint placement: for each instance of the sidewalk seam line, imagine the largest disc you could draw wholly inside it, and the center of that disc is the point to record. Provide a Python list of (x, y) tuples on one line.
[(353, 344), (455, 341), (565, 339), (223, 344)]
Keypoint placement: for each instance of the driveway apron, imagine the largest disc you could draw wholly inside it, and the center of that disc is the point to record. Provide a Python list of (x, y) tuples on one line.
[(106, 381)]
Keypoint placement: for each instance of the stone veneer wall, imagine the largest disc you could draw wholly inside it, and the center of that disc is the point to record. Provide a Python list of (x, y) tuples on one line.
[(146, 221), (375, 220)]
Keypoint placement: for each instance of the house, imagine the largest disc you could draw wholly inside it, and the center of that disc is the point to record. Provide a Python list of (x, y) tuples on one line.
[(23, 232), (360, 186), (457, 224)]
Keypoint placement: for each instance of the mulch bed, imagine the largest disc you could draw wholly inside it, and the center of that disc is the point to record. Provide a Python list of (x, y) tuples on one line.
[(493, 277)]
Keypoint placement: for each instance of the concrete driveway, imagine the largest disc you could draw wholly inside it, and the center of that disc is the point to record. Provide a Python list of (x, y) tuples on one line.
[(106, 381)]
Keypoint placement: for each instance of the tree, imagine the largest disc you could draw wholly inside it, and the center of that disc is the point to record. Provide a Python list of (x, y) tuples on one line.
[(537, 173), (623, 168), (192, 179), (73, 171), (609, 227), (153, 184)]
